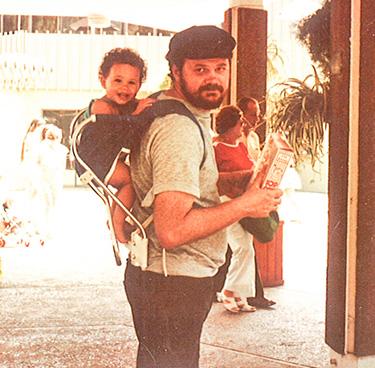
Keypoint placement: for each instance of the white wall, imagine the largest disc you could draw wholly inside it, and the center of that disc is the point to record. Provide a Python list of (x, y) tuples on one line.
[(17, 111), (59, 72), (70, 62)]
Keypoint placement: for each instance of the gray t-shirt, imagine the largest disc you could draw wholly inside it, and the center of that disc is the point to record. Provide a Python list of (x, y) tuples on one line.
[(169, 160)]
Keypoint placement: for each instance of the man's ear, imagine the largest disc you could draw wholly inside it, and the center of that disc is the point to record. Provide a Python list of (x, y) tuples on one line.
[(176, 73)]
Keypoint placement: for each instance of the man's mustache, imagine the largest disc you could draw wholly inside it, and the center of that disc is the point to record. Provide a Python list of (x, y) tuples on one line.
[(211, 87)]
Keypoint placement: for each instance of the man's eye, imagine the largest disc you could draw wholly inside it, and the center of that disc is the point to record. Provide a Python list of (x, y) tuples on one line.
[(118, 80), (200, 70), (222, 69)]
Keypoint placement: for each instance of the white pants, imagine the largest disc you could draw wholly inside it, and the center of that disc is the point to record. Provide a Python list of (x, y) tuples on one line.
[(241, 272)]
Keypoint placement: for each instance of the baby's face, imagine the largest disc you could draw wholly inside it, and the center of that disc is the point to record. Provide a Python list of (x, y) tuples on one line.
[(122, 83)]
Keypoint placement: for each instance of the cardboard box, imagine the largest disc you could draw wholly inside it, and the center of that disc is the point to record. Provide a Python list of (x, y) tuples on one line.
[(274, 159)]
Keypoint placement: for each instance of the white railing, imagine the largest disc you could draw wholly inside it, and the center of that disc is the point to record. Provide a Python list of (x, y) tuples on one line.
[(70, 62)]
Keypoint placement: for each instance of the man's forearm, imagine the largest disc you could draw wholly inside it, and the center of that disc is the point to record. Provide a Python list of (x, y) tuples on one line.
[(178, 222), (197, 223)]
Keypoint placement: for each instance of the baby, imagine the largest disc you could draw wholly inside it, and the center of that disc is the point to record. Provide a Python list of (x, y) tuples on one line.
[(121, 74)]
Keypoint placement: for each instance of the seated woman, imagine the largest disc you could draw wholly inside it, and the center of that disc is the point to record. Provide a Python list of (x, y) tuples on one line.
[(235, 168)]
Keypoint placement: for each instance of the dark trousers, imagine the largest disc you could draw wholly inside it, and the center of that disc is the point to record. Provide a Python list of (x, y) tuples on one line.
[(168, 315), (259, 288)]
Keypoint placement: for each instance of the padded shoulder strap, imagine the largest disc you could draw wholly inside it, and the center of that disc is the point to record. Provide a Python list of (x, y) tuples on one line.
[(170, 106)]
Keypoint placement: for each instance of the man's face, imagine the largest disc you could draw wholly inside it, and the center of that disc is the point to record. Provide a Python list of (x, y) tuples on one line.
[(204, 82), (252, 113)]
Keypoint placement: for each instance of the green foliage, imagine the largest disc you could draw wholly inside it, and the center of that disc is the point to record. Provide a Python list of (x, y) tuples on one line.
[(297, 107), (300, 112), (314, 33), (166, 83)]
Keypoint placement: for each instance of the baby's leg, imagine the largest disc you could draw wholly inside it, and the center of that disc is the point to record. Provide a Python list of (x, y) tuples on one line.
[(122, 228)]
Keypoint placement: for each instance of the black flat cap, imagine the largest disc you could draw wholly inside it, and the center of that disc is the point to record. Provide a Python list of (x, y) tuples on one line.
[(200, 42)]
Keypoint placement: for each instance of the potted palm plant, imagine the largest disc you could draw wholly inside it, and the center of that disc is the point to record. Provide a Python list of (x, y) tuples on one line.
[(299, 107), (299, 111)]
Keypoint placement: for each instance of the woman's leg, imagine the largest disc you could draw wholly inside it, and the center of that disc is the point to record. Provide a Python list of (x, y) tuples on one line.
[(241, 272)]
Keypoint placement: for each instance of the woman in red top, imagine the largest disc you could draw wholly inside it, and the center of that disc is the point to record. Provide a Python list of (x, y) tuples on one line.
[(235, 166)]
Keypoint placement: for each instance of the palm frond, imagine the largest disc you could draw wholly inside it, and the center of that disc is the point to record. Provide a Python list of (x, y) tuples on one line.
[(299, 109)]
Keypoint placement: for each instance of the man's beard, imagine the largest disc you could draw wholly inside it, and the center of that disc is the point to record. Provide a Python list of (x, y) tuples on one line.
[(197, 100)]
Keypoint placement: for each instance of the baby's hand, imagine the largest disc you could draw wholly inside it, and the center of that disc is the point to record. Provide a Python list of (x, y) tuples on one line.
[(143, 104)]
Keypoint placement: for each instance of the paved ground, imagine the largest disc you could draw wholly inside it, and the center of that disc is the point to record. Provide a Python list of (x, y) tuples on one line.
[(63, 305)]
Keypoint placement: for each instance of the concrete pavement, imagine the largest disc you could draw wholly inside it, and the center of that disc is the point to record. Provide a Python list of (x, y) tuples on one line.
[(63, 305)]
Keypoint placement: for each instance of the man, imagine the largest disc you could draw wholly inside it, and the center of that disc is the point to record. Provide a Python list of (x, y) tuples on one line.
[(252, 114), (175, 174)]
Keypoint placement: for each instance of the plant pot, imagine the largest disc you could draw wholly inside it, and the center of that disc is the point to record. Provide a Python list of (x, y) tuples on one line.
[(270, 259)]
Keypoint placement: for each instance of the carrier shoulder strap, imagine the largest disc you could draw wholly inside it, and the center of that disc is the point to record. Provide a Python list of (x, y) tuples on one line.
[(170, 106)]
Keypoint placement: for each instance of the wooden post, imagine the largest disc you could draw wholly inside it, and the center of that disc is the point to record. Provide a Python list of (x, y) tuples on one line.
[(246, 20), (350, 328), (338, 174)]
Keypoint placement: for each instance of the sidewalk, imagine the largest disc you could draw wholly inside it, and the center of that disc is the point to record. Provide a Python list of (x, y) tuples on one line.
[(63, 305)]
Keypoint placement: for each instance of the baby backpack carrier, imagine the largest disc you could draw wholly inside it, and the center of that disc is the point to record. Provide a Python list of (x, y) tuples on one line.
[(96, 143)]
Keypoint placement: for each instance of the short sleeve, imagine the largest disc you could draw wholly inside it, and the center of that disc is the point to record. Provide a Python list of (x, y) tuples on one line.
[(175, 152)]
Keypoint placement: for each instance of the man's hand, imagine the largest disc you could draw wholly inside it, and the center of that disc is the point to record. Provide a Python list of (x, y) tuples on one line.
[(259, 202)]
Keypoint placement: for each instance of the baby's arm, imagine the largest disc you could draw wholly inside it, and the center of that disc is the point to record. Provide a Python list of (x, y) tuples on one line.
[(143, 104), (102, 107)]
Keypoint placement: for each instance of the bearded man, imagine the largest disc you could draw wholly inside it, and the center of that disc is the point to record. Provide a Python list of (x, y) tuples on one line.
[(175, 178)]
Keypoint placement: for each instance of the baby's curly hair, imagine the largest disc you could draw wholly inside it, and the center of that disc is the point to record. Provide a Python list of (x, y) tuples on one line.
[(122, 56)]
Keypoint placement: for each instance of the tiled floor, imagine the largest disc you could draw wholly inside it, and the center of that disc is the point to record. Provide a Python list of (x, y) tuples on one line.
[(79, 263)]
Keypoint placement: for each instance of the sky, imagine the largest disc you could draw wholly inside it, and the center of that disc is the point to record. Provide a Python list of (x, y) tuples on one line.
[(173, 15)]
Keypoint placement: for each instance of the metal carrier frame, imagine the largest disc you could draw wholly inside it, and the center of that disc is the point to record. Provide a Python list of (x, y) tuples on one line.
[(98, 186)]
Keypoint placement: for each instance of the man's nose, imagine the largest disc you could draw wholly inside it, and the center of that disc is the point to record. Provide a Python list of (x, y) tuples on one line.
[(212, 75)]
